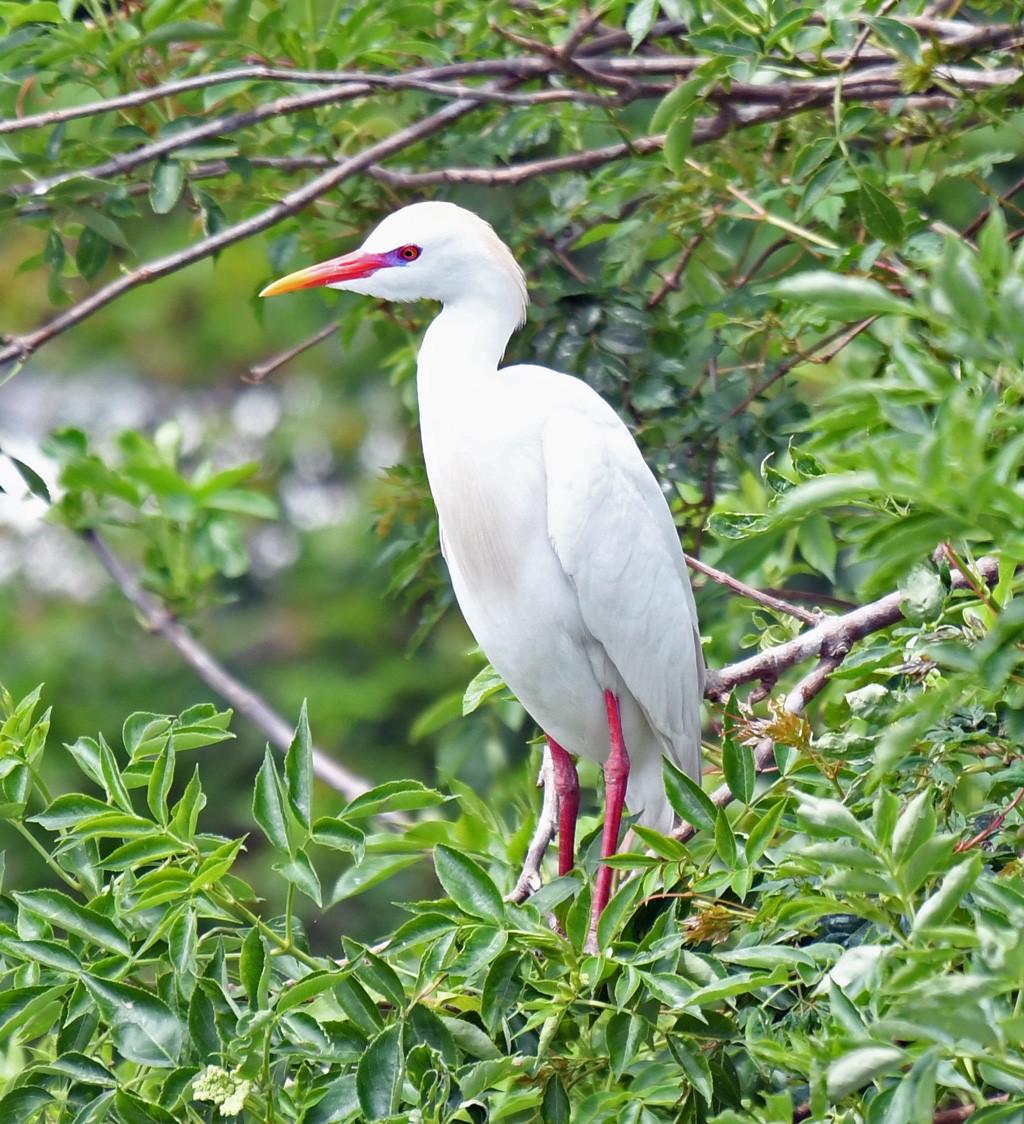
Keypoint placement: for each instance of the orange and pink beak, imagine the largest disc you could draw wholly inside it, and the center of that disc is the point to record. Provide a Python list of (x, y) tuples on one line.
[(348, 267)]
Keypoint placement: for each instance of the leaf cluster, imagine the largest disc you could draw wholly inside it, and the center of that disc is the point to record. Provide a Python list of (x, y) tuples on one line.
[(818, 948)]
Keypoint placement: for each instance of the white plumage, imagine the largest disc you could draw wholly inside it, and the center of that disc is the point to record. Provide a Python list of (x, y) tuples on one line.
[(563, 553)]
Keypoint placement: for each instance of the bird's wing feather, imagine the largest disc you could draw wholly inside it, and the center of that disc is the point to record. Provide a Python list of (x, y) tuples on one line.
[(611, 528)]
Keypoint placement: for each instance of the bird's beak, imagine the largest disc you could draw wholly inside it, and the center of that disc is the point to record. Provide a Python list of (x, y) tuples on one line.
[(346, 268)]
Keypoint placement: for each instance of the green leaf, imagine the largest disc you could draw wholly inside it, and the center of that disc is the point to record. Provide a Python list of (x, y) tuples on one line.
[(725, 840), (640, 20), (824, 816), (160, 780), (339, 836), (688, 799), (679, 141), (763, 831), (300, 872), (357, 1004), (132, 1109), (627, 1032), (375, 973), (91, 254), (33, 481), (922, 595), (674, 104), (818, 544), (309, 987), (21, 1104), (66, 811), (555, 1107), (956, 883), (270, 806), (471, 1039), (80, 1067), (298, 771), (468, 886), (253, 967), (19, 1006), (144, 734), (379, 1074), (501, 990), (738, 768), (186, 811), (394, 796), (898, 34), (145, 1030), (51, 953), (58, 909), (616, 911), (859, 1065), (994, 243), (367, 873), (695, 1065), (838, 296), (482, 686), (881, 215), (915, 827), (165, 187)]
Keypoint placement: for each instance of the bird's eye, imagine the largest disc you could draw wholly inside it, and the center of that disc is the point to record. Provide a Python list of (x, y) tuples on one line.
[(409, 253)]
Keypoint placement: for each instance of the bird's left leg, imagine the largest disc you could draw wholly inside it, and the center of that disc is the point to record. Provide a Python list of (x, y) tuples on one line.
[(616, 773), (567, 785)]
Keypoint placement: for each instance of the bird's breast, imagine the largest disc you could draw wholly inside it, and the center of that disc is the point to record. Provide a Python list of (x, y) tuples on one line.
[(492, 509)]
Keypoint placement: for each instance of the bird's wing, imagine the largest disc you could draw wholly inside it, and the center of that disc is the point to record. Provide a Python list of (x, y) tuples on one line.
[(611, 528)]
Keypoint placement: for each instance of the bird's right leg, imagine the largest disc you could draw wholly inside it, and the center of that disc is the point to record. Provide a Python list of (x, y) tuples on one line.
[(567, 786), (616, 773)]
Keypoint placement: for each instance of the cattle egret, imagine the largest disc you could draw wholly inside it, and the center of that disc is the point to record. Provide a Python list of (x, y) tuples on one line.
[(562, 550)]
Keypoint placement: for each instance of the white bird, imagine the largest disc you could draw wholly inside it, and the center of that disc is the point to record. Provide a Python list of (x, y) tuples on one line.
[(562, 551)]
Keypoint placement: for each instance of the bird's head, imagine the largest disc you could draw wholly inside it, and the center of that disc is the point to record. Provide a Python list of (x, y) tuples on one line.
[(437, 251)]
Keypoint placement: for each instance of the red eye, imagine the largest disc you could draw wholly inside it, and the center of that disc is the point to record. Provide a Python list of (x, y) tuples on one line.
[(409, 253)]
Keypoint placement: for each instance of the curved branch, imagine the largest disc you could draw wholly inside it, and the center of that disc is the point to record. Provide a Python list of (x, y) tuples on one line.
[(157, 619)]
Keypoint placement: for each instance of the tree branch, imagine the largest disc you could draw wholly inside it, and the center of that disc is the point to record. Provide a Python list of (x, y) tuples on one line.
[(19, 348), (765, 104), (250, 705), (748, 591), (831, 640)]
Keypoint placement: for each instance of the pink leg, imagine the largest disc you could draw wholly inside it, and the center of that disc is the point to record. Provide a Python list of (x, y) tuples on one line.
[(616, 773), (567, 785)]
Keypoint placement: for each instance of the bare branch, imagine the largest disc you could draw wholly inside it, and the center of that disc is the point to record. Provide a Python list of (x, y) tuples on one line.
[(218, 127), (748, 591), (259, 371), (19, 348), (157, 619), (834, 636)]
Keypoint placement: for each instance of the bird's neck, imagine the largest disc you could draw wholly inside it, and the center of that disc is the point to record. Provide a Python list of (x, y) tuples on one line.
[(465, 342)]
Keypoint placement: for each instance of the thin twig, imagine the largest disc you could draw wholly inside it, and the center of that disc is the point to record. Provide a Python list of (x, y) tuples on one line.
[(991, 827), (752, 594), (259, 371), (255, 709), (670, 282)]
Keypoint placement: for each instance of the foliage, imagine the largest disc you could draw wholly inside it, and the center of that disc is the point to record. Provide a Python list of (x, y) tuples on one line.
[(814, 940), (785, 242)]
